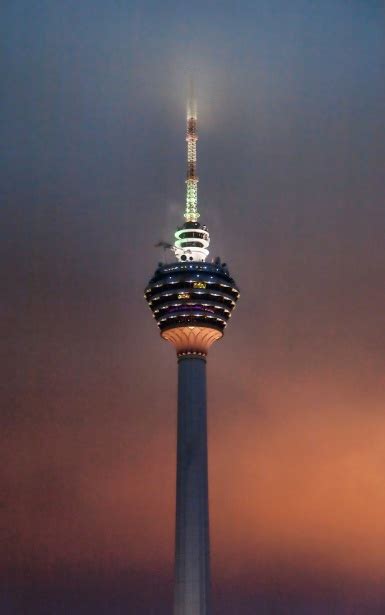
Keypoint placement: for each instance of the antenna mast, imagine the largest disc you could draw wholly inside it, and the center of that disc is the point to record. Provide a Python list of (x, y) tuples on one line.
[(192, 239), (191, 213)]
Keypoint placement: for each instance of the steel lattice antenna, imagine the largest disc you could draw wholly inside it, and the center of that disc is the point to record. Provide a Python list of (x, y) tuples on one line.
[(192, 239), (191, 213)]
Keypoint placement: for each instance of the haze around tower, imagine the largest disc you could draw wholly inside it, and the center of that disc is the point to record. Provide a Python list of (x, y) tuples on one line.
[(291, 149)]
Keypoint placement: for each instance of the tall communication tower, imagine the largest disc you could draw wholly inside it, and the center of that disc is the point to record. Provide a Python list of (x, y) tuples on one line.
[(192, 301)]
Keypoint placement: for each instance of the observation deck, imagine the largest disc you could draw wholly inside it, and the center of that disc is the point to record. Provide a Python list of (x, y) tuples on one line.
[(195, 294)]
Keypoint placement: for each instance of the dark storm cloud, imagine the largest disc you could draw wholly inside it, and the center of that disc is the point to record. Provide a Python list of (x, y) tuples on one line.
[(290, 159)]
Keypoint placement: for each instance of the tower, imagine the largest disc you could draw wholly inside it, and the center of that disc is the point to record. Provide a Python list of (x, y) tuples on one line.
[(192, 301)]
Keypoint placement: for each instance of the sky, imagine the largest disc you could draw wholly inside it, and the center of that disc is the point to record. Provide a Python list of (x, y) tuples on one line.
[(291, 99)]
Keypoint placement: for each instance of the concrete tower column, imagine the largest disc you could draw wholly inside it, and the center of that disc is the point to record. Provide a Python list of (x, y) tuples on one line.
[(192, 542), (192, 568)]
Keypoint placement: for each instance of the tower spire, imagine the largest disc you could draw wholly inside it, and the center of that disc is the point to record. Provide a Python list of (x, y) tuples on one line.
[(191, 212), (192, 239)]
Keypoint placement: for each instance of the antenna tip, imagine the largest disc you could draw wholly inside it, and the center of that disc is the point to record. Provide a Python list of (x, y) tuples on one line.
[(191, 101)]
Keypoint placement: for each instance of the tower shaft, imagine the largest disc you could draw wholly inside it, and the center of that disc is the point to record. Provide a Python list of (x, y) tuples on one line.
[(192, 571)]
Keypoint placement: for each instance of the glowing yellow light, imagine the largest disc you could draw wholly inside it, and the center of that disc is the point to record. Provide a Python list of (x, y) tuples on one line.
[(199, 285), (183, 296)]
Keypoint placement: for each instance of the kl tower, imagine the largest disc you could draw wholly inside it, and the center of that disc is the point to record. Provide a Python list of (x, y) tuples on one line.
[(192, 301)]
